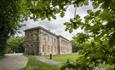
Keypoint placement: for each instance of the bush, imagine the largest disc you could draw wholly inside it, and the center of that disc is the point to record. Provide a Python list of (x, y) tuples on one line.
[(15, 44)]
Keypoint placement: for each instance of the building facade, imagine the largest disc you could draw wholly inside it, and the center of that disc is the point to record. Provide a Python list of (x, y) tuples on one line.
[(39, 41)]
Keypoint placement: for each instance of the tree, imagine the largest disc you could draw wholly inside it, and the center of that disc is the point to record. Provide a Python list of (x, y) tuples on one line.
[(15, 44), (98, 39), (10, 15)]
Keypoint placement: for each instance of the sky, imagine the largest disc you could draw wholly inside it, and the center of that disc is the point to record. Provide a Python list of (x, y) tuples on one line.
[(57, 25)]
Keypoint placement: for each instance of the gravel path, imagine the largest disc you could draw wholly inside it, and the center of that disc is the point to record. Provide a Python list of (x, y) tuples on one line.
[(51, 62), (13, 62)]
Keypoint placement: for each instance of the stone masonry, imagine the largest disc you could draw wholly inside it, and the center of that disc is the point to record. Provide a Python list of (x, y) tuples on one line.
[(40, 41)]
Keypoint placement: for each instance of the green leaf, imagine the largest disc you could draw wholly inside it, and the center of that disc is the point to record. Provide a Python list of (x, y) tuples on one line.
[(62, 14)]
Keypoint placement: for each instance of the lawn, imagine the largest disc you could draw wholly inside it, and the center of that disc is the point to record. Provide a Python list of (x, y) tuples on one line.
[(65, 57), (34, 64)]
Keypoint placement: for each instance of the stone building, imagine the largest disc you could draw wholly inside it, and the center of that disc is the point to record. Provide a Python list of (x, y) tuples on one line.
[(40, 41)]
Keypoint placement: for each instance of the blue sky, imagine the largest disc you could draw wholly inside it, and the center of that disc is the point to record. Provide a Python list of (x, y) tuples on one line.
[(57, 26)]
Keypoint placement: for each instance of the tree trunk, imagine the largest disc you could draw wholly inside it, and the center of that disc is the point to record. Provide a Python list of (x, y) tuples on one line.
[(3, 39), (3, 42)]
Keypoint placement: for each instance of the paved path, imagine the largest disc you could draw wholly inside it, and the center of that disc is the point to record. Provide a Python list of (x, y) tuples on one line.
[(46, 60), (13, 62)]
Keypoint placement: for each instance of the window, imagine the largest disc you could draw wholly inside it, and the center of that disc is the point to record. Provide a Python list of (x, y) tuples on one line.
[(34, 37), (52, 49), (48, 48), (52, 39), (43, 48), (48, 37), (45, 41)]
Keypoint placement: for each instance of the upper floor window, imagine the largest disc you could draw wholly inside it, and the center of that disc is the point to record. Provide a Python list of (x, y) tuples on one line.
[(48, 37), (34, 37), (52, 39)]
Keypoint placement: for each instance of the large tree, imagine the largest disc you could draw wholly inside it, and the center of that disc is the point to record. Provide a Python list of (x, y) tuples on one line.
[(98, 40)]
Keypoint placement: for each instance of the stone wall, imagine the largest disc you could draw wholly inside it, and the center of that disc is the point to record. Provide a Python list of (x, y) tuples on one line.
[(39, 41), (64, 45), (31, 42), (48, 43)]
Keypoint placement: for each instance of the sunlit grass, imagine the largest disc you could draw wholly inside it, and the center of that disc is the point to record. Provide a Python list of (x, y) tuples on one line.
[(63, 58), (34, 64)]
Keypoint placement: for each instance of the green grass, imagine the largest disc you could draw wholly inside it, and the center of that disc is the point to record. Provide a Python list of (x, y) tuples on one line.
[(63, 58), (34, 64)]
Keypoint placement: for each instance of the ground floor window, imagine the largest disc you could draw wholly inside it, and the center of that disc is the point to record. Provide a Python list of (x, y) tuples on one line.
[(43, 48)]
